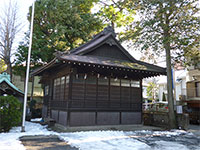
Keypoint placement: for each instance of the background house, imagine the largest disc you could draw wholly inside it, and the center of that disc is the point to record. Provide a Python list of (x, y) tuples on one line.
[(19, 81), (144, 90), (193, 83), (193, 93), (179, 82), (187, 91), (8, 88)]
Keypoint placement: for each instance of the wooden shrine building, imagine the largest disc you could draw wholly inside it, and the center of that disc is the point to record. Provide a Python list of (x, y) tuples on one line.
[(8, 88), (98, 83)]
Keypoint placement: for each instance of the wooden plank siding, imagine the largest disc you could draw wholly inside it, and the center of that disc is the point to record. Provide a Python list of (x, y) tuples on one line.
[(94, 95), (58, 96), (107, 50), (99, 99)]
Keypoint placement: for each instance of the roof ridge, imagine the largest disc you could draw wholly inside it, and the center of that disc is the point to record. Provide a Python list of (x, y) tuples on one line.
[(106, 31)]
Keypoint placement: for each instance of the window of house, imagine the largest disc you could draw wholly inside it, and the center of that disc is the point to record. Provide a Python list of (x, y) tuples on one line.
[(91, 79), (125, 83), (66, 87), (78, 78), (56, 82), (103, 81), (67, 79), (46, 90), (62, 87), (62, 80), (135, 83), (115, 82), (56, 88), (197, 87)]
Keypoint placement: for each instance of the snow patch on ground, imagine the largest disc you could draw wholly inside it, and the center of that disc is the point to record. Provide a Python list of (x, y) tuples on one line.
[(165, 145), (10, 141), (36, 119), (101, 140), (117, 140)]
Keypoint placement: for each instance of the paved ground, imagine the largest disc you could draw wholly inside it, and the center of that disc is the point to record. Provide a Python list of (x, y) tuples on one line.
[(45, 143)]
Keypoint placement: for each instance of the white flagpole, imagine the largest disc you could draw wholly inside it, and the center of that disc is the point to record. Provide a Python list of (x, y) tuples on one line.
[(27, 69)]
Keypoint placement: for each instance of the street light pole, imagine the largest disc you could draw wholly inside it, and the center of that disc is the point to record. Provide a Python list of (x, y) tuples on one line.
[(27, 70)]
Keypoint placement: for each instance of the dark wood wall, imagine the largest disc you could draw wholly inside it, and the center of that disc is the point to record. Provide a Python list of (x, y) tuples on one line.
[(109, 51), (75, 99), (56, 88), (92, 92)]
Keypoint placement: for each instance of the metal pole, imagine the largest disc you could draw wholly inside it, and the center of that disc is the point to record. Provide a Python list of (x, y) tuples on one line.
[(27, 70)]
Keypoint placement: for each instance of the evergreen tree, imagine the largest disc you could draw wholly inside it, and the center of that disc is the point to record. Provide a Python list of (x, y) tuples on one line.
[(117, 14), (170, 26), (59, 25), (164, 97)]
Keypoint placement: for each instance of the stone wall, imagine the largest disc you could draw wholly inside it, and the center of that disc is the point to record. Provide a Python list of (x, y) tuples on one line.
[(161, 119)]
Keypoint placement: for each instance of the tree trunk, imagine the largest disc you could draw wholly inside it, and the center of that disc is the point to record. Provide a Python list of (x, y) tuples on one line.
[(171, 114), (170, 98), (9, 70)]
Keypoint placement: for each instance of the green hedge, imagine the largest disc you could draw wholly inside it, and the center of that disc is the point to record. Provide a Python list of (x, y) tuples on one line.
[(10, 112)]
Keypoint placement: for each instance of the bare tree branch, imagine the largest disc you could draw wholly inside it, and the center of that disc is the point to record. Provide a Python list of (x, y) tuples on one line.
[(9, 28)]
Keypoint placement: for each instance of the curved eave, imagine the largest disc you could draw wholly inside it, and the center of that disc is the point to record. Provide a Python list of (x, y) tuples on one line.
[(144, 73), (40, 70), (12, 86)]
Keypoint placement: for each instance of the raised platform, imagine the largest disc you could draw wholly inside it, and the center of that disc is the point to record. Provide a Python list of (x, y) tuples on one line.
[(61, 128)]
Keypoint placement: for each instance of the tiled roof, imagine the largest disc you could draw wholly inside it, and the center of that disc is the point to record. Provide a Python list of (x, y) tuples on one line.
[(4, 77), (112, 62), (81, 55)]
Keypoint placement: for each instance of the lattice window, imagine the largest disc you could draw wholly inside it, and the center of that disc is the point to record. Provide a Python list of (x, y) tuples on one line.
[(125, 83), (135, 83), (115, 82), (46, 90)]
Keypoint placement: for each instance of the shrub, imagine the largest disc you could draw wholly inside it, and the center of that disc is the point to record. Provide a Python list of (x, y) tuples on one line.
[(164, 97), (35, 111), (10, 112)]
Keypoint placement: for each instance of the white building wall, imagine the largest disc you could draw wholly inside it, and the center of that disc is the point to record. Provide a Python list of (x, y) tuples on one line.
[(178, 90), (160, 94), (180, 85)]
